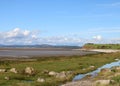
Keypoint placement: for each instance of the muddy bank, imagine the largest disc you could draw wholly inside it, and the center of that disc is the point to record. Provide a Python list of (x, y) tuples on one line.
[(25, 53)]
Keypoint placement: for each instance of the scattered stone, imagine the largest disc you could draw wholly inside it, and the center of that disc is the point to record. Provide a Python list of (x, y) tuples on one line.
[(69, 72), (13, 70), (92, 67), (116, 59), (61, 75), (105, 70), (7, 78), (40, 80), (103, 82), (52, 73), (112, 81), (45, 71), (88, 76), (117, 68), (29, 70), (2, 70), (83, 69)]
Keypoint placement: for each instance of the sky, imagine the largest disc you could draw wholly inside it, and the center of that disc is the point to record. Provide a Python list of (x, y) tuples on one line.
[(59, 22)]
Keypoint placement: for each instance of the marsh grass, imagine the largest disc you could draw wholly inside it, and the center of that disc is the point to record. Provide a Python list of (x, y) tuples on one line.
[(116, 79), (101, 46), (57, 64)]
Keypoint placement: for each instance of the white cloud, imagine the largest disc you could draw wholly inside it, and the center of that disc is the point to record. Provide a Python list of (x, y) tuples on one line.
[(34, 36), (16, 33), (18, 36), (98, 37), (26, 32)]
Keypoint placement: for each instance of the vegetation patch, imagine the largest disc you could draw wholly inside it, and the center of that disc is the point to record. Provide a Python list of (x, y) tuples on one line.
[(101, 46), (67, 66)]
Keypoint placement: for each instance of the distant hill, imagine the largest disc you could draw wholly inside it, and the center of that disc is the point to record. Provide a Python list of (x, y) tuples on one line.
[(39, 46), (101, 46)]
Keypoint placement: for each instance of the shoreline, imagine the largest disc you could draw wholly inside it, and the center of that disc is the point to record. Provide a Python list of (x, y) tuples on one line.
[(99, 50), (105, 50)]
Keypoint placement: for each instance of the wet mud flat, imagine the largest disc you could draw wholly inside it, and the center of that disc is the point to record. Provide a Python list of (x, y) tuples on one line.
[(41, 52)]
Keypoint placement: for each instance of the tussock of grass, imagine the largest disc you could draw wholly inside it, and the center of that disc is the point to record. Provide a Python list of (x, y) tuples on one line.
[(116, 78)]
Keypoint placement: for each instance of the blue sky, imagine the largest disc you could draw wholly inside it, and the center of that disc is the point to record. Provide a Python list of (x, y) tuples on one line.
[(59, 21)]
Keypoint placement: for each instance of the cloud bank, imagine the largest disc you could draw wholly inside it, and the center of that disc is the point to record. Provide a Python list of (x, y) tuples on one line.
[(26, 37), (17, 36)]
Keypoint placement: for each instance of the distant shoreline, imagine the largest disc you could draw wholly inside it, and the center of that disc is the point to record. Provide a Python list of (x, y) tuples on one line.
[(100, 50), (31, 48)]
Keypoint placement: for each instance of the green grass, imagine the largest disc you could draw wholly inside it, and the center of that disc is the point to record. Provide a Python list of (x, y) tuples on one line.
[(57, 64), (116, 79), (101, 46)]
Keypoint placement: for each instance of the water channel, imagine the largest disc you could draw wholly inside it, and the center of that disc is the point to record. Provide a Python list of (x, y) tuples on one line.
[(94, 73)]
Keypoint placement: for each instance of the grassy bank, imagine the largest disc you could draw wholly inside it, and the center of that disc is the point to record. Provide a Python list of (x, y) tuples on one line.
[(76, 64), (101, 46)]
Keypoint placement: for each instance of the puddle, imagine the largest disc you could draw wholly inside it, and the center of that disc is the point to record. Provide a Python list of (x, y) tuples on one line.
[(94, 73)]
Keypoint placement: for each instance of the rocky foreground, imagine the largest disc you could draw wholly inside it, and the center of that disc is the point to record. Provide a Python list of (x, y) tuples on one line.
[(30, 71), (106, 77)]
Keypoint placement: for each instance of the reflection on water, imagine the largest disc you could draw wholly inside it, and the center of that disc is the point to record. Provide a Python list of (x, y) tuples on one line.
[(94, 73)]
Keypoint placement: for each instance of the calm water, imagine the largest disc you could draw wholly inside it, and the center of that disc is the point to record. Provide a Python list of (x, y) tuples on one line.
[(94, 73), (16, 53)]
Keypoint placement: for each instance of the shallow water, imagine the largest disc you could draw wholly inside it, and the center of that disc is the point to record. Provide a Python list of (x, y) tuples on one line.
[(25, 53), (94, 73)]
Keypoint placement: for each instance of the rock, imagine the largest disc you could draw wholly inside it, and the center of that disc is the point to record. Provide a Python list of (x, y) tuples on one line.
[(116, 59), (45, 71), (40, 80), (29, 70), (13, 70), (61, 75), (83, 69), (52, 73), (2, 70), (92, 67), (103, 82), (105, 70), (7, 78), (112, 81), (88, 76), (64, 74), (69, 72), (117, 68)]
